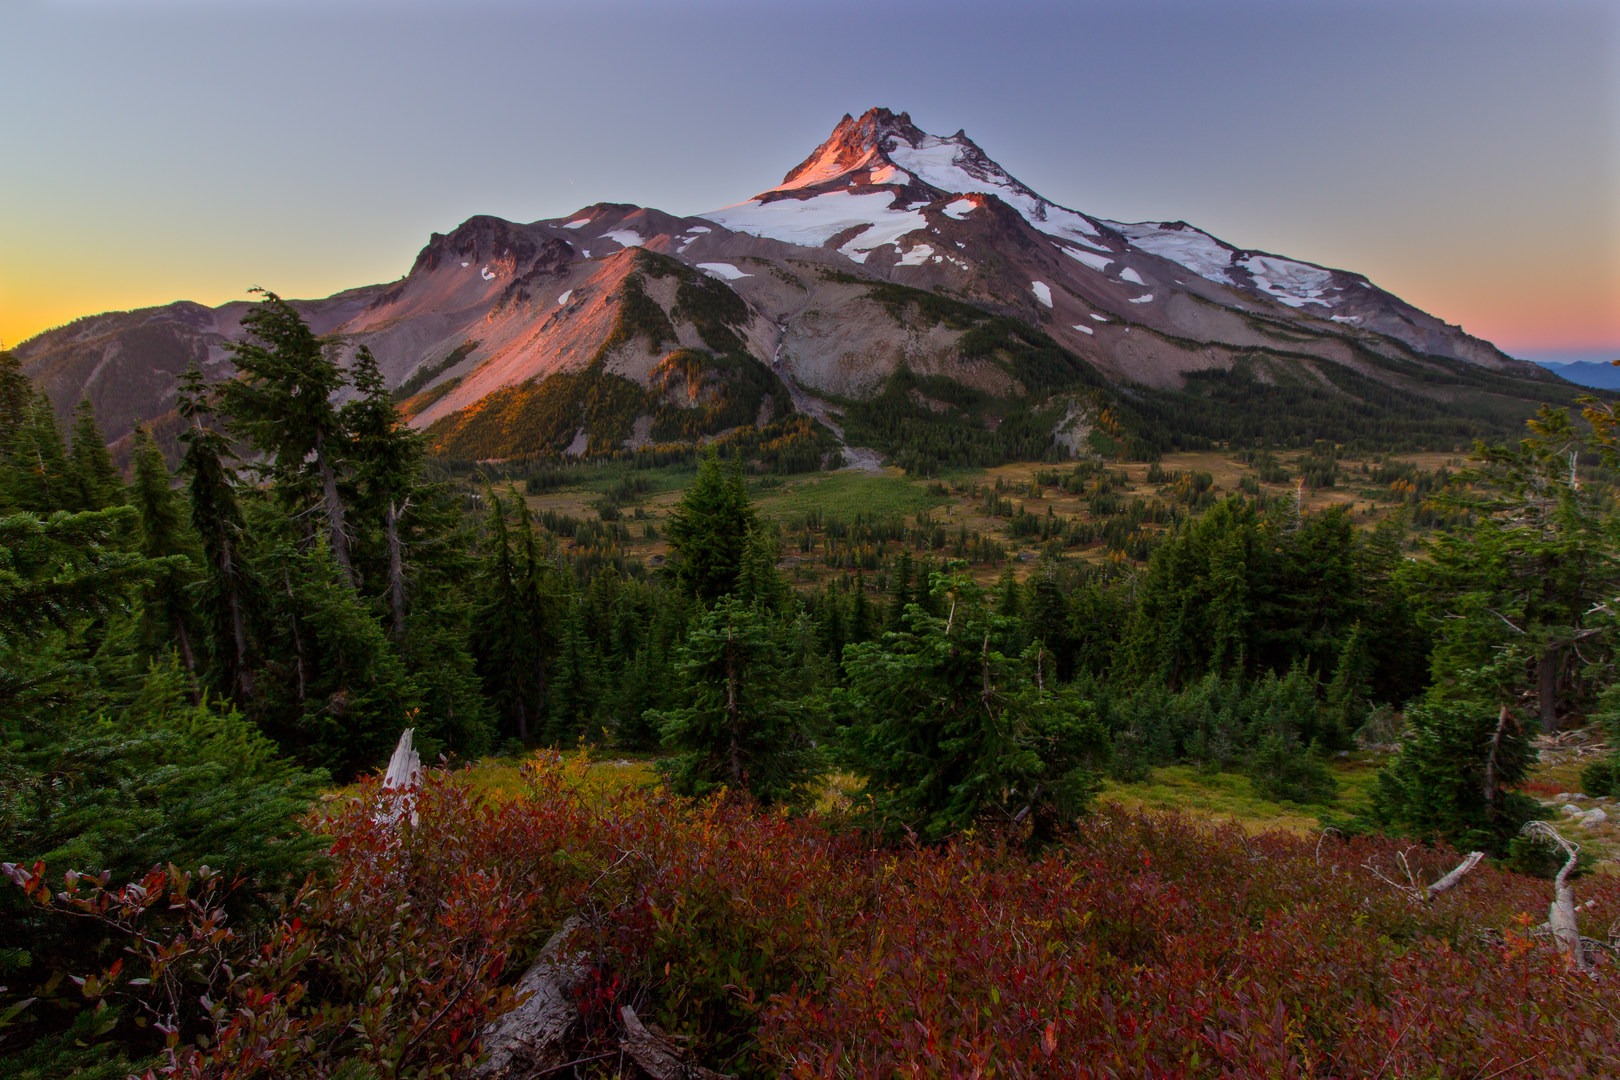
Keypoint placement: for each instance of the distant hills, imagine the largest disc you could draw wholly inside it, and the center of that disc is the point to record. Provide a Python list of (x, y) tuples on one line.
[(898, 290), (1593, 373)]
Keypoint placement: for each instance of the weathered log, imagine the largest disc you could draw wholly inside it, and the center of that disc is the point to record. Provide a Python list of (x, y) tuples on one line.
[(655, 1056), (531, 1039)]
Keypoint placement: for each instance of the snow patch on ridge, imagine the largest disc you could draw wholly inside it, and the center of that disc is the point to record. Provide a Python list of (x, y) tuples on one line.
[(578, 223), (1197, 251), (814, 221), (1084, 329), (1042, 291), (916, 256), (1130, 275), (1095, 261), (1288, 282), (625, 237), (563, 299), (950, 166), (722, 270)]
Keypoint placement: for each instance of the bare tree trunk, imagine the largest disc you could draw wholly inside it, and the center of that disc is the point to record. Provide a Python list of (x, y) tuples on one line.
[(396, 572), (241, 680), (1547, 687), (337, 529), (654, 1055), (1561, 913), (1503, 719), (739, 772), (298, 642)]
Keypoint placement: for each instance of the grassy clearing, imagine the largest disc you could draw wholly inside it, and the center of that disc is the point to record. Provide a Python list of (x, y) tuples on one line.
[(844, 495), (1217, 797), (501, 778), (1230, 797)]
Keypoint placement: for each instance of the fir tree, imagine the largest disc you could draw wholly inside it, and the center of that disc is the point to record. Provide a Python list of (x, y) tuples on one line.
[(741, 722), (951, 729), (230, 597), (35, 474), (168, 616), (281, 404), (709, 529), (386, 458)]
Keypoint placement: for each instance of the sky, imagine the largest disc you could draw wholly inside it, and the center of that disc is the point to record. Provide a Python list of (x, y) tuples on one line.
[(1464, 154)]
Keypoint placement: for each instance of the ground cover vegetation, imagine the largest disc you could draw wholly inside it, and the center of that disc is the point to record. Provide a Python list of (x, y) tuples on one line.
[(188, 658)]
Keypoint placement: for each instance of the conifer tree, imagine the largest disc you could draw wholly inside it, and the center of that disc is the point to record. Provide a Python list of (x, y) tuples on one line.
[(230, 598), (281, 403), (514, 623), (35, 475), (386, 457), (93, 481), (168, 616), (709, 529), (741, 724), (951, 729)]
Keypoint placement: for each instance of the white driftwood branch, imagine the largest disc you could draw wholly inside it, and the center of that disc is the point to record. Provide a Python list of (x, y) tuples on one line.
[(1423, 894), (1561, 913), (1455, 876)]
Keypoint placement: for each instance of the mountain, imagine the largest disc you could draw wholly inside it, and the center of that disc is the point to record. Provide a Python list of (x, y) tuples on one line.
[(900, 288), (1598, 375)]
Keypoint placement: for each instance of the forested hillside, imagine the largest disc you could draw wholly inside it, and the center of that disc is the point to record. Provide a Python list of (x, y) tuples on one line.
[(193, 659)]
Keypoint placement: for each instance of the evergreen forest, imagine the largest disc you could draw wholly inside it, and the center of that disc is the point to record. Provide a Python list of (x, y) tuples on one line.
[(876, 740)]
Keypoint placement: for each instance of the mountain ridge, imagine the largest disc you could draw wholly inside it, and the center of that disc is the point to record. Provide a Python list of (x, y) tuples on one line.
[(802, 268)]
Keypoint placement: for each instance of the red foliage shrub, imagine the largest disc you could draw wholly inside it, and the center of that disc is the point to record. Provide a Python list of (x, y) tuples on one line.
[(1140, 946)]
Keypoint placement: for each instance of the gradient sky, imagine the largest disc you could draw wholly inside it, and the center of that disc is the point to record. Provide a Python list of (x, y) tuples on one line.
[(1464, 154)]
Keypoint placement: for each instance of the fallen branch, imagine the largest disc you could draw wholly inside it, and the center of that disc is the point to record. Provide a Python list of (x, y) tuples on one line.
[(1423, 894), (654, 1056)]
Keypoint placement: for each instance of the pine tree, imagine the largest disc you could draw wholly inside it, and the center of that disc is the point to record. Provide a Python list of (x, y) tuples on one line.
[(387, 458), (1455, 773), (58, 574), (35, 473), (951, 729), (330, 688), (514, 623), (1522, 596)]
